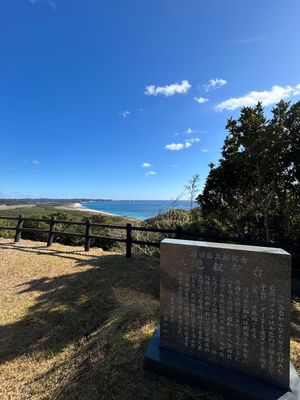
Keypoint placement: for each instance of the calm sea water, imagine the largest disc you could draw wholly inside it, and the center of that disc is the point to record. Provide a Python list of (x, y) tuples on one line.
[(142, 209)]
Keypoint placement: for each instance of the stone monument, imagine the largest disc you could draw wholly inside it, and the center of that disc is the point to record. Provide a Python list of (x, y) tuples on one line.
[(225, 319)]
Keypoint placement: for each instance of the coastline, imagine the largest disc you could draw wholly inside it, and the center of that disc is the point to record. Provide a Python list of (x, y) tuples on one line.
[(80, 207), (141, 211)]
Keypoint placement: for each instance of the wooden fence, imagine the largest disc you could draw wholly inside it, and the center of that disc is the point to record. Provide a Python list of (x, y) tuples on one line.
[(88, 236), (178, 233)]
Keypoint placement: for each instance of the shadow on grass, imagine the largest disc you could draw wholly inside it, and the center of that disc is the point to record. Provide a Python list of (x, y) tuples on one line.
[(116, 370), (71, 306), (109, 312)]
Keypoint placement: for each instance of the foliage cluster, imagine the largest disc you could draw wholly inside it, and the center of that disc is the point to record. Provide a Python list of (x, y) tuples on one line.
[(255, 188)]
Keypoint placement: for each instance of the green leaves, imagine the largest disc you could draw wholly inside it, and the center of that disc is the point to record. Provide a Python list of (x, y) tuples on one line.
[(256, 186)]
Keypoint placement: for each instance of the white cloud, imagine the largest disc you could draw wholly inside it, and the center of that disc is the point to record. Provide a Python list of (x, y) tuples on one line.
[(180, 146), (50, 3), (174, 146), (168, 90), (36, 162), (204, 151), (189, 131), (146, 165), (201, 100), (193, 140), (124, 114), (214, 84), (267, 97), (150, 173)]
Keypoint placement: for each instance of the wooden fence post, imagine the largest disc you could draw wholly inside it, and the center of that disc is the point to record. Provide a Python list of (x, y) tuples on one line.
[(178, 232), (128, 240), (51, 232), (19, 228), (87, 243)]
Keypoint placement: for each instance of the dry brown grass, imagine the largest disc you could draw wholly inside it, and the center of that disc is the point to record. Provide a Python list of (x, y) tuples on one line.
[(74, 325), (4, 207), (51, 299)]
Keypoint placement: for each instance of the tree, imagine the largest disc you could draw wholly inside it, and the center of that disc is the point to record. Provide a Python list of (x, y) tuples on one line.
[(192, 189), (255, 187)]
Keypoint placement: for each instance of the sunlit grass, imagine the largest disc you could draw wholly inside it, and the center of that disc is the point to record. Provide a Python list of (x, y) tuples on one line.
[(75, 325)]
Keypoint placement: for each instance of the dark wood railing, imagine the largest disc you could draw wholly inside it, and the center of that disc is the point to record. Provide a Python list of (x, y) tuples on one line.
[(178, 233), (88, 236)]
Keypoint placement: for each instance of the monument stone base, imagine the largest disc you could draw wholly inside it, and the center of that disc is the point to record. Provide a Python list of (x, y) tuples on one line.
[(231, 384)]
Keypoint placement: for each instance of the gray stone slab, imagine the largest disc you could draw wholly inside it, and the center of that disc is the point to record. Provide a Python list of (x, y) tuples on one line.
[(228, 305), (232, 385)]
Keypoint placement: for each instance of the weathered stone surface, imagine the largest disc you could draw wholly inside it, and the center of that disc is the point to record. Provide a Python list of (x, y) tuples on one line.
[(231, 384), (228, 305)]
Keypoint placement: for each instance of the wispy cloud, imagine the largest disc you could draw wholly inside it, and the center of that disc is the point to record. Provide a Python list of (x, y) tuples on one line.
[(6, 193), (214, 84), (193, 140), (36, 162), (201, 100), (245, 41), (168, 90), (204, 151), (150, 173), (267, 97), (51, 3), (190, 131), (146, 165), (180, 146), (11, 193), (124, 114)]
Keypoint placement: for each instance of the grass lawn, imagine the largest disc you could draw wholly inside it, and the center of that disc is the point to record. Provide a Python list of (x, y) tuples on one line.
[(75, 325)]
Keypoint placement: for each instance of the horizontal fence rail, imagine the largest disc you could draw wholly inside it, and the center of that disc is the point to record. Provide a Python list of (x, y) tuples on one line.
[(129, 240), (87, 235)]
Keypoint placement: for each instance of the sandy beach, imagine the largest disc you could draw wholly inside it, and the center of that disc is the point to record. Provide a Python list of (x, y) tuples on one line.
[(79, 207)]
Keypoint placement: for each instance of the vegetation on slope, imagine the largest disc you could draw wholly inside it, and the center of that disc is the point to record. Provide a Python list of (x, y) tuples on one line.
[(46, 211)]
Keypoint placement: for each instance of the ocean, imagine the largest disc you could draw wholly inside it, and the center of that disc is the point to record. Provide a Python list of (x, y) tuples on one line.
[(142, 209)]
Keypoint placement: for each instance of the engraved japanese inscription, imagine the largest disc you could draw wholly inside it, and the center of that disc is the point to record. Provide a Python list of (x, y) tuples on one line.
[(228, 305)]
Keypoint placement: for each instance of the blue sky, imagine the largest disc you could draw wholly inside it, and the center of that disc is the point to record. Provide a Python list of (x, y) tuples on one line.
[(90, 91)]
